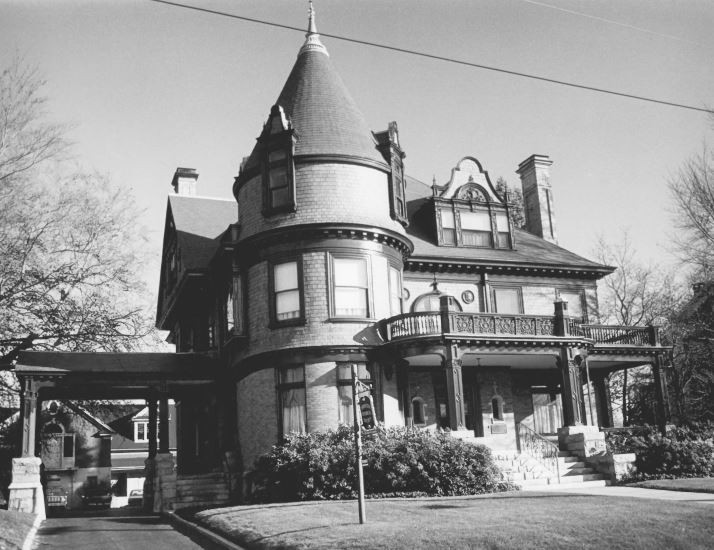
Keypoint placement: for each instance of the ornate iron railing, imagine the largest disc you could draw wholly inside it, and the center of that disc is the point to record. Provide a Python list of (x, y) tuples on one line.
[(496, 324), (538, 447), (618, 335), (436, 323)]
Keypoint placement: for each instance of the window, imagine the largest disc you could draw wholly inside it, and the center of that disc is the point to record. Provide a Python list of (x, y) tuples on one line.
[(350, 287), (432, 302), (396, 293), (448, 227), (476, 229), (418, 416), (345, 414), (234, 307), (497, 408), (230, 311), (68, 446), (507, 300), (503, 234), (279, 184), (141, 431), (286, 302), (291, 394)]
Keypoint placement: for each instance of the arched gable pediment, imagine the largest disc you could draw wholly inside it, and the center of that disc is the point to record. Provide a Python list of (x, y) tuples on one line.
[(469, 181)]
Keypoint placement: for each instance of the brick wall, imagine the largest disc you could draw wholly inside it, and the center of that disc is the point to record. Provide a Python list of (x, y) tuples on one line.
[(257, 415), (340, 193), (321, 396)]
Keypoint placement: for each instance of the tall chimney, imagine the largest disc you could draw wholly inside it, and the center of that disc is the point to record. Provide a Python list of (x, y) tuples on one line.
[(538, 197), (184, 182)]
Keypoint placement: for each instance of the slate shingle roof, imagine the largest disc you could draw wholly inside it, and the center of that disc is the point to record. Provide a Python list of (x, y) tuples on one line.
[(200, 223), (322, 112), (530, 250)]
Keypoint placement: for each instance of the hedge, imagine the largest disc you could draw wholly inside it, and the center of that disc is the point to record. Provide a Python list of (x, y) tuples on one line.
[(686, 451), (398, 462)]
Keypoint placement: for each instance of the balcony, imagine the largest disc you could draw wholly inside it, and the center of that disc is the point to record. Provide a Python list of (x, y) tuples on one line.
[(422, 325)]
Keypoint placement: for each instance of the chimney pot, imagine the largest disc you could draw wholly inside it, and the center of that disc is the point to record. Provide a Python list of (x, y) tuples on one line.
[(184, 181)]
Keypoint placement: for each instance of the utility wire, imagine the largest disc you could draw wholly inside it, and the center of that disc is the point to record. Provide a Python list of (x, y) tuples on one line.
[(437, 57), (611, 21)]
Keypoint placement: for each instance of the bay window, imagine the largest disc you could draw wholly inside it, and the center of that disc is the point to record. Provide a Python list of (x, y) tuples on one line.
[(286, 293), (345, 413), (350, 287), (291, 395)]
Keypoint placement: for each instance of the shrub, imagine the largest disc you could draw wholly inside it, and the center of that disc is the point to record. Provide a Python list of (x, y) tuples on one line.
[(686, 451), (398, 462)]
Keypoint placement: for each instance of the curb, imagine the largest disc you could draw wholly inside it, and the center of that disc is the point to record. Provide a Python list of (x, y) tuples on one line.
[(201, 531), (30, 538)]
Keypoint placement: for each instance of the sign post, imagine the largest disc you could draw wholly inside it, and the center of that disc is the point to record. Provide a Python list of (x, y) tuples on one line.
[(358, 443)]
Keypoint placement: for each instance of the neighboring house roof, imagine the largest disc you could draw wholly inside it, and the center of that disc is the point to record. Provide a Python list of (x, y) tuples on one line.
[(200, 223), (529, 249), (322, 112), (104, 429)]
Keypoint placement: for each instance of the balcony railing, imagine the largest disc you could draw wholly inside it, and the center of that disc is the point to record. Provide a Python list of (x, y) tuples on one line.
[(436, 323), (619, 335)]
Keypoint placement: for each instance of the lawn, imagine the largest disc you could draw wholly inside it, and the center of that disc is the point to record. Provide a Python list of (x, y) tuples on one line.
[(506, 520), (14, 527), (695, 484)]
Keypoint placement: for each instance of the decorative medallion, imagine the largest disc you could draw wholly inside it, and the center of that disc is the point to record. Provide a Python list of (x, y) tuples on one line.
[(467, 296), (405, 294)]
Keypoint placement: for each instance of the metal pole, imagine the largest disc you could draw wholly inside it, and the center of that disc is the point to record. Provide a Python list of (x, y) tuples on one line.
[(358, 445)]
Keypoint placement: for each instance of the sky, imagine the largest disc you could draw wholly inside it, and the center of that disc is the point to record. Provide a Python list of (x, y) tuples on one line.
[(148, 87)]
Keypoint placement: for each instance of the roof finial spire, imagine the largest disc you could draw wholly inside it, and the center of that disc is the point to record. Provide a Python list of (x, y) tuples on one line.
[(311, 28), (312, 39)]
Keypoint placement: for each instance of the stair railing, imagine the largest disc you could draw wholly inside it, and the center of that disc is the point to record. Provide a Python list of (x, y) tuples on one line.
[(538, 447)]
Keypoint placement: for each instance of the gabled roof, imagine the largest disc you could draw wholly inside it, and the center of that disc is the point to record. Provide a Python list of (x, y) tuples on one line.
[(200, 222), (530, 250), (320, 109)]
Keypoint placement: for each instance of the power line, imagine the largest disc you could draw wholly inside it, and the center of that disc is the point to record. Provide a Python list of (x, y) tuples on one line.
[(437, 57), (611, 21)]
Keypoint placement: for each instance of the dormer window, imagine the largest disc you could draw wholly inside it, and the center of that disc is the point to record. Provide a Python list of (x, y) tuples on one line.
[(476, 228), (277, 164)]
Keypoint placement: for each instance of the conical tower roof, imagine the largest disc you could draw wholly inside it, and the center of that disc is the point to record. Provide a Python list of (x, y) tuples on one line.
[(326, 120)]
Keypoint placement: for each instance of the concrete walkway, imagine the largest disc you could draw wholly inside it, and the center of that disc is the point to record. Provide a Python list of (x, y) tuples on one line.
[(636, 492)]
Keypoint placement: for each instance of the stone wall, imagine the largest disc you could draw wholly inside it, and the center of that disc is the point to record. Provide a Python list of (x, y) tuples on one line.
[(257, 415)]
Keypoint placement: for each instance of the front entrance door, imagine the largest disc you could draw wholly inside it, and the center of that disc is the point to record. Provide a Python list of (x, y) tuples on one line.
[(472, 404), (547, 412)]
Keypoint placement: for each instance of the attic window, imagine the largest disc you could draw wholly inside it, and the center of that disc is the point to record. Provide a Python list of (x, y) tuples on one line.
[(471, 225)]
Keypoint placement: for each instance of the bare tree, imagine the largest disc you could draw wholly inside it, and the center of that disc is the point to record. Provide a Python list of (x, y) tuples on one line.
[(70, 241), (515, 199), (692, 191), (635, 294)]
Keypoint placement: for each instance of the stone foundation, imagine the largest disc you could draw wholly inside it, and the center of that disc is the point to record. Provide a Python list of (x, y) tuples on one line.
[(617, 466), (26, 494)]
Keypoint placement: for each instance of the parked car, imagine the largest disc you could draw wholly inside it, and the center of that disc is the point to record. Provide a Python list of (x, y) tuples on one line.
[(97, 497), (136, 497)]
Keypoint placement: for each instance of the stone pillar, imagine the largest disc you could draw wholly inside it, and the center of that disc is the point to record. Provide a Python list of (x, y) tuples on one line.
[(602, 399), (572, 389), (26, 494), (163, 421), (660, 394), (164, 483), (454, 389), (151, 405), (149, 475)]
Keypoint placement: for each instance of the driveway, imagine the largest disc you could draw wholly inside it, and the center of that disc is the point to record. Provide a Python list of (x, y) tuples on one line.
[(121, 528)]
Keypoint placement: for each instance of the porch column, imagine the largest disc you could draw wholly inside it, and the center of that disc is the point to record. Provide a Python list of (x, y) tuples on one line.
[(660, 394), (163, 420), (151, 405), (572, 389), (454, 388), (602, 399), (28, 413), (403, 389)]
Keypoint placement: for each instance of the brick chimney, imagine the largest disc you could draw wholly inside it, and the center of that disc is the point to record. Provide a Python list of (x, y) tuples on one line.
[(538, 197), (184, 182)]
